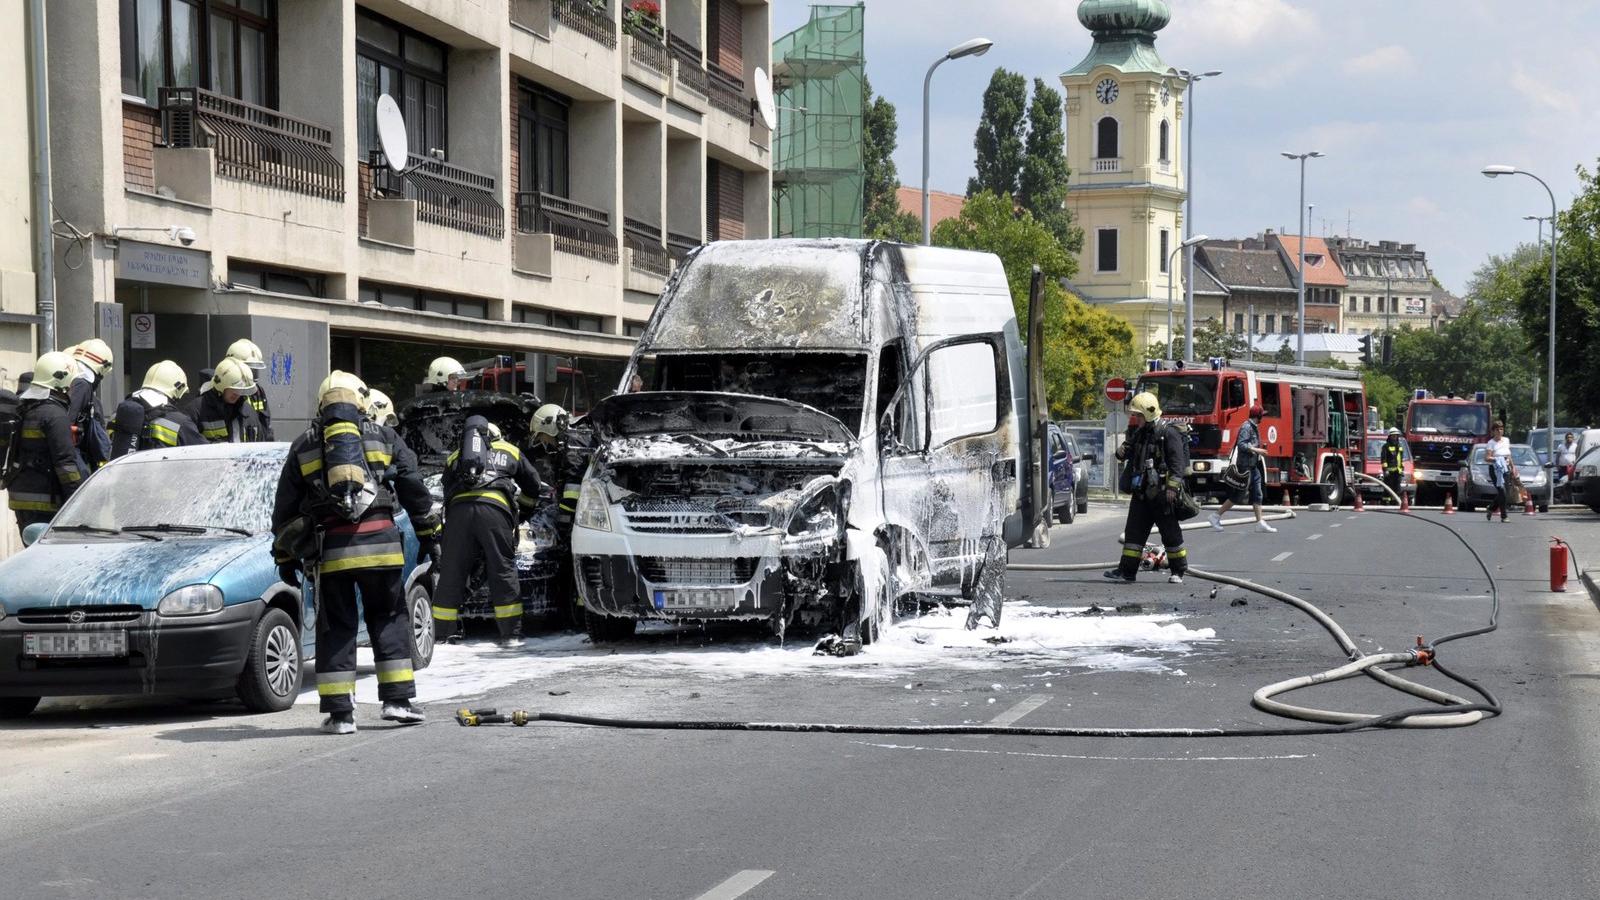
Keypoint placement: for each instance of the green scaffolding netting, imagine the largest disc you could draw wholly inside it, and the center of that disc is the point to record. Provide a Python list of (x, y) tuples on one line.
[(817, 175)]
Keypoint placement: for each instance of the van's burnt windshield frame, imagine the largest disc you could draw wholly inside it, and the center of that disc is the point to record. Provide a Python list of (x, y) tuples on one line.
[(834, 382)]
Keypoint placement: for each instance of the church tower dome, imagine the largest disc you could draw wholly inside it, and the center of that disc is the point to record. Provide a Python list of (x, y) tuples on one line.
[(1124, 18)]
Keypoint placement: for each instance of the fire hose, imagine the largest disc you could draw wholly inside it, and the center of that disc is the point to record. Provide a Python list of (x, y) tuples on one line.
[(1446, 710)]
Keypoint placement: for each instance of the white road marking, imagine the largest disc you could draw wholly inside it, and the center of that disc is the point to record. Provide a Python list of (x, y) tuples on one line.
[(1027, 705), (1313, 537), (1076, 756), (1337, 525), (737, 885), (1283, 556), (1351, 518)]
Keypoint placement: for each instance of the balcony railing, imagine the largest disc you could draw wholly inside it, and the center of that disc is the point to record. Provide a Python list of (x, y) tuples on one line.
[(679, 245), (691, 66), (727, 92), (446, 195), (649, 254), (587, 18), (650, 51), (1111, 164), (578, 229), (253, 143)]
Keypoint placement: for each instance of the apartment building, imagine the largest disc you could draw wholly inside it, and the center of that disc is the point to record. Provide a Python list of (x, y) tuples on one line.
[(221, 159), (1390, 285), (19, 318)]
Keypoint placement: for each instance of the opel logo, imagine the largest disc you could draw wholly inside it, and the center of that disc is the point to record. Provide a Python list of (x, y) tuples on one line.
[(77, 616)]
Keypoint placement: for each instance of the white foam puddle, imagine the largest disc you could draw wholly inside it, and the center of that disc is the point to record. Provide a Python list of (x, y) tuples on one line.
[(1029, 635)]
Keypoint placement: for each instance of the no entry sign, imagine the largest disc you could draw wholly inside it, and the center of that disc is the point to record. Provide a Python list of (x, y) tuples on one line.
[(1117, 390)]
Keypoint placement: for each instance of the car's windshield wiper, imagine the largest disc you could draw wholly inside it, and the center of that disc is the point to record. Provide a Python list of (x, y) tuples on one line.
[(703, 444), (187, 529), (96, 529)]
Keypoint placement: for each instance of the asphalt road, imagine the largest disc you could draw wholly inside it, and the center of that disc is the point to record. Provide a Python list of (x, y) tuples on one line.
[(143, 798)]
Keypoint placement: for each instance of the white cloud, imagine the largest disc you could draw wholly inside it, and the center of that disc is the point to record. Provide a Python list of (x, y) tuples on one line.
[(1543, 95), (1241, 23), (1423, 208), (1391, 60)]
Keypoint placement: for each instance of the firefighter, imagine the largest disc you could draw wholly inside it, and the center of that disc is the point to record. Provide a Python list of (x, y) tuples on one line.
[(245, 350), (380, 408), (223, 408), (92, 363), (440, 373), (487, 483), (148, 418), (1391, 462), (334, 511), (1155, 457), (562, 454), (48, 466)]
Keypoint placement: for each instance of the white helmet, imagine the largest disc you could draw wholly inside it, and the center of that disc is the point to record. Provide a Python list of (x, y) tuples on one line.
[(1394, 432), (380, 408), (494, 432), (441, 370), (246, 351), (233, 375), (53, 370), (1145, 404), (549, 420), (342, 387), (96, 353), (167, 378)]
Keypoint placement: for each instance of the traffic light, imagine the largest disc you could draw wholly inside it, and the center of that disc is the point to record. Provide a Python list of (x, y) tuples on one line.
[(1388, 350), (1366, 349)]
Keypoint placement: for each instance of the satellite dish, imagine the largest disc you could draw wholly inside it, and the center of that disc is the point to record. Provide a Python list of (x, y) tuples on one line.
[(764, 101), (392, 133)]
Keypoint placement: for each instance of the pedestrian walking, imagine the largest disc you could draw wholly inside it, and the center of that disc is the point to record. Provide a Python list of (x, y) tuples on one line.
[(1502, 473), (1155, 457), (1251, 458), (48, 467), (1392, 462), (1567, 458), (334, 512)]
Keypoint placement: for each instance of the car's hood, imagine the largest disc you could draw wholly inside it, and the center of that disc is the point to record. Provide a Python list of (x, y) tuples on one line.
[(61, 572), (713, 415)]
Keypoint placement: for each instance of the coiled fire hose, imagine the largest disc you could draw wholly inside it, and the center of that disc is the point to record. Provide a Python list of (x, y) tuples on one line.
[(1446, 710)]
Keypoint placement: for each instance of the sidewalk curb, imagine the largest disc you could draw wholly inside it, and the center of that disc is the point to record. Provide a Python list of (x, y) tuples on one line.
[(1590, 586)]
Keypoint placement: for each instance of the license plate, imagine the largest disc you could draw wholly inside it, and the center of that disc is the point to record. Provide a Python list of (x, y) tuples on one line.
[(97, 643), (707, 598)]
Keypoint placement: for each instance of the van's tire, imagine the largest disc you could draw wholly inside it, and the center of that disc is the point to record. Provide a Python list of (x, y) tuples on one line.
[(604, 629), (272, 669), (419, 623), (1083, 504), (17, 707)]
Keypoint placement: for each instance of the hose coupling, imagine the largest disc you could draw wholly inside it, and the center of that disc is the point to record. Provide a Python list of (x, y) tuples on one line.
[(1423, 653)]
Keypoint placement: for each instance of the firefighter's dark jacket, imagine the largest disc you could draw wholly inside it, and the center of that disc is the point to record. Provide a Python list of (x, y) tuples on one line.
[(1166, 446), (221, 421), (373, 541), (507, 479), (1393, 460), (565, 461), (140, 426), (49, 468)]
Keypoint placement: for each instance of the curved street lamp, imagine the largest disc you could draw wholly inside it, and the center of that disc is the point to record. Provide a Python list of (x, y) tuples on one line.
[(974, 47), (1190, 79), (1188, 353), (1300, 304)]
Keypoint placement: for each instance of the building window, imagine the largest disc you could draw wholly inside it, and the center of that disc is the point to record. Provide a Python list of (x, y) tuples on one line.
[(1105, 141), (633, 329), (226, 46), (1366, 304), (276, 280), (1166, 141), (426, 301), (1272, 324), (1106, 250), (1166, 250), (1255, 324), (1352, 304), (408, 66), (1238, 323), (533, 315), (542, 140)]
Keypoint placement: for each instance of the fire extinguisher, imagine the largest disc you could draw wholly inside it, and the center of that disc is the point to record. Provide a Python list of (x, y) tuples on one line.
[(1558, 564)]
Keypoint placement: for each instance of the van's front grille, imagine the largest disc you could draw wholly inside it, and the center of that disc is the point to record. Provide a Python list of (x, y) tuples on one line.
[(708, 572), (80, 615), (692, 515)]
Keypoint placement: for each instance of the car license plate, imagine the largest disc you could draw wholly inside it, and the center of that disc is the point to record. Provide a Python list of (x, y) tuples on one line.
[(706, 598), (95, 643)]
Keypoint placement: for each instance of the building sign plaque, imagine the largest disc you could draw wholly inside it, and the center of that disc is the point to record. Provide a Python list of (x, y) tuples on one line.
[(160, 264)]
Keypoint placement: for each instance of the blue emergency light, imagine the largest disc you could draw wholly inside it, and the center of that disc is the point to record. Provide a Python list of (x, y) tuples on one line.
[(1480, 396), (1153, 365), (1217, 363), (1419, 394)]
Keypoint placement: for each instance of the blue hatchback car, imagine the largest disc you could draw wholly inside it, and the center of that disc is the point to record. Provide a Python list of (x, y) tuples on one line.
[(157, 578)]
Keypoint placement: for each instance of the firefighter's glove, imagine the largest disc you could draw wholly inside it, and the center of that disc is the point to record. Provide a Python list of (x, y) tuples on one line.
[(428, 548), (289, 573)]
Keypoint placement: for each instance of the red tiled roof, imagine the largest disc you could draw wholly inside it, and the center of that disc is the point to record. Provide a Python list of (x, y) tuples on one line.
[(1321, 268), (941, 205)]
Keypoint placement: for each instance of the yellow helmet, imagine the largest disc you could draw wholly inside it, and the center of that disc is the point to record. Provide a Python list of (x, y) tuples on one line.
[(549, 420), (96, 353), (342, 387), (380, 408), (167, 377), (233, 375), (442, 369), (53, 370), (246, 351), (1145, 404)]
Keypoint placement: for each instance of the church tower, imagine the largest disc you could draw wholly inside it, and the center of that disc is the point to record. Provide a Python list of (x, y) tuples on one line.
[(1127, 187)]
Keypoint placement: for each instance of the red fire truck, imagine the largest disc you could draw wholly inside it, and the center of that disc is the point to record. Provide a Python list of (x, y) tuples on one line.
[(1442, 432), (1312, 427)]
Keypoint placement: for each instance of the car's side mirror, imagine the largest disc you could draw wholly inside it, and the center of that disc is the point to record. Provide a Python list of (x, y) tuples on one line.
[(1089, 458), (33, 532)]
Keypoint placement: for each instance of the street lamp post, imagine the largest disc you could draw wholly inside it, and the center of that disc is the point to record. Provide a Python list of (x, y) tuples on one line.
[(974, 47), (1188, 352), (1540, 220), (1550, 370), (1300, 320), (1190, 79)]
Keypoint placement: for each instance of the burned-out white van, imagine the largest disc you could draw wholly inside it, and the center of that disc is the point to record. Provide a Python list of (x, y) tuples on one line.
[(827, 427)]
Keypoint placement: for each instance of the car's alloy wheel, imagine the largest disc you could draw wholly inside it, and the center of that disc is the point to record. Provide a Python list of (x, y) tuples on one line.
[(281, 660), (419, 605), (272, 670)]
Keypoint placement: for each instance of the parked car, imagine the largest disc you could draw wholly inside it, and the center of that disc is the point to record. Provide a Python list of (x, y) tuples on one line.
[(1081, 463), (1585, 486), (1473, 487), (1372, 464), (157, 577), (1536, 439)]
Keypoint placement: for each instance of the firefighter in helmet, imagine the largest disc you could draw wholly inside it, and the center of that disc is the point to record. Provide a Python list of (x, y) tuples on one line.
[(488, 484), (334, 512), (92, 361), (380, 408), (1155, 457), (562, 451), (1391, 462), (48, 468), (148, 418), (245, 350), (440, 374), (223, 409)]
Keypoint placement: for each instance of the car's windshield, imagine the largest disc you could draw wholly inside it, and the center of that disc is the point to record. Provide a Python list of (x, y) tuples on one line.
[(1448, 418), (1521, 455), (1183, 395), (231, 493), (1375, 448), (832, 382)]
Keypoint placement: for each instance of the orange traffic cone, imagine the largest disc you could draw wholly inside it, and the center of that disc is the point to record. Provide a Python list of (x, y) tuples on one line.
[(1405, 502), (1286, 500), (1527, 504), (1449, 504), (1359, 504)]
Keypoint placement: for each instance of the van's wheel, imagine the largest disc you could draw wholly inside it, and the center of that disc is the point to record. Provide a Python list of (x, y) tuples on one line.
[(419, 607), (1083, 505), (271, 676), (17, 707), (1335, 490), (604, 629)]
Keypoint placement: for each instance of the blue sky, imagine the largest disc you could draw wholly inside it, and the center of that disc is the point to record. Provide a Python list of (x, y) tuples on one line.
[(1409, 99)]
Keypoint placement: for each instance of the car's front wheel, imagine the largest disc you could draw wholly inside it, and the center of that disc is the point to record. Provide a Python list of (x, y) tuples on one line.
[(419, 608), (271, 676), (17, 707)]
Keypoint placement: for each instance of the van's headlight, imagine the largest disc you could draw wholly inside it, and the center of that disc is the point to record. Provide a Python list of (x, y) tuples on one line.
[(817, 516), (192, 600), (1202, 466), (592, 507)]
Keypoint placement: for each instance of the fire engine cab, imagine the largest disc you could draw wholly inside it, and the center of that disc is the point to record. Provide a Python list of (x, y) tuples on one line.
[(1312, 427), (1442, 432)]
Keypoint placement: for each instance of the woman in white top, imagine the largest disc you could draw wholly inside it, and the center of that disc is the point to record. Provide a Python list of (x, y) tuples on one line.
[(1497, 454)]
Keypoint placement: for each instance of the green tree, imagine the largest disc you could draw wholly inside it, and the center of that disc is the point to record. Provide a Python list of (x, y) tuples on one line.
[(1497, 284), (1210, 339), (1476, 352), (1000, 135), (880, 129), (1386, 394), (1042, 183), (1284, 355)]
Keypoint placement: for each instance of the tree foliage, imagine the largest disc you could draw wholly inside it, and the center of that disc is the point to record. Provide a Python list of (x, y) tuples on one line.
[(1476, 352), (1000, 135), (880, 135), (1386, 394), (1042, 183), (1210, 339)]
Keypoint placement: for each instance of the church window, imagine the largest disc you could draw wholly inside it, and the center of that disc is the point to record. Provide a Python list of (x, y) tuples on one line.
[(1166, 141), (1106, 250), (1106, 139)]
